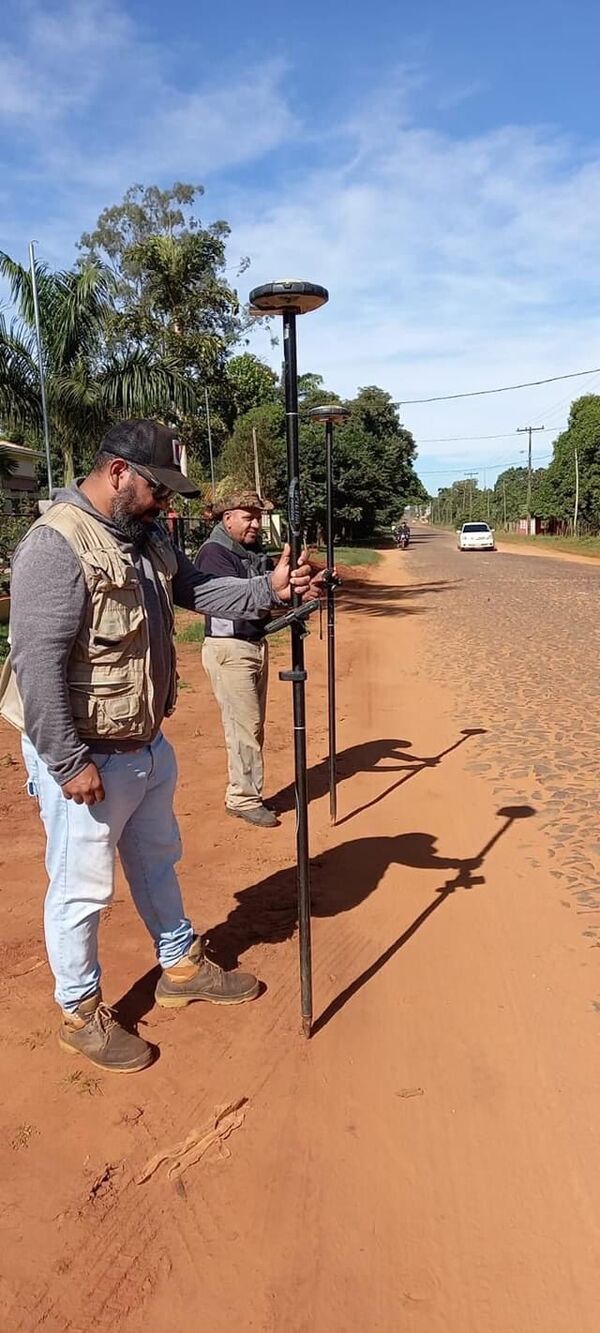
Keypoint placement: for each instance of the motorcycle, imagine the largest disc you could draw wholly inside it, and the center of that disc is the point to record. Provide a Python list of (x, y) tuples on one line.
[(404, 540)]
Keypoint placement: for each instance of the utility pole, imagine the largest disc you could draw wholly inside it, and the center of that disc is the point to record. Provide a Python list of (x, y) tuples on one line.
[(576, 492), (210, 447), (332, 415), (256, 467), (38, 339), (504, 499), (528, 430)]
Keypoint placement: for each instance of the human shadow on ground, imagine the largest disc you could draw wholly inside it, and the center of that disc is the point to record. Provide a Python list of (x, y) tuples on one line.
[(387, 755), (341, 879)]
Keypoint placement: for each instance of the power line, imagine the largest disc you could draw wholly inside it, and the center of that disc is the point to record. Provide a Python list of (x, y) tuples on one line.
[(453, 439), (557, 409), (465, 470), (505, 388)]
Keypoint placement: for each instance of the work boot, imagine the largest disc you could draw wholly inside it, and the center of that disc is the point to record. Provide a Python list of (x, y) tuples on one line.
[(195, 977), (93, 1031), (255, 814)]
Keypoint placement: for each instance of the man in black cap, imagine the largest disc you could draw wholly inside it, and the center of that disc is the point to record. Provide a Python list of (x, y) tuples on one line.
[(94, 584), (235, 654)]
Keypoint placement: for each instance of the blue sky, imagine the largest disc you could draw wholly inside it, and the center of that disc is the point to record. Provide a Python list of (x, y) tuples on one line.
[(437, 167)]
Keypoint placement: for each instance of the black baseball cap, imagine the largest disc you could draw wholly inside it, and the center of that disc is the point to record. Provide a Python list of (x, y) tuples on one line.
[(152, 446)]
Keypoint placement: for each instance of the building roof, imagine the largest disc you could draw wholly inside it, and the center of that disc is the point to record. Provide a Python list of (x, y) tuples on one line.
[(20, 450)]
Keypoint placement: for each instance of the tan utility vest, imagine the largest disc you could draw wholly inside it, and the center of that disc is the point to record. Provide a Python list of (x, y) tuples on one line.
[(108, 673)]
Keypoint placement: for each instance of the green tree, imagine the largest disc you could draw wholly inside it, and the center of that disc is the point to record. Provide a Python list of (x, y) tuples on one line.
[(377, 414), (311, 392), (582, 435), (172, 296), (510, 493), (150, 278), (251, 384), (374, 477), (391, 452), (460, 503), (237, 458), (88, 382)]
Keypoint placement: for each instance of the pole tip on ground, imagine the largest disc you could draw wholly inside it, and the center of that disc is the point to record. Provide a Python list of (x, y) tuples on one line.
[(306, 1027)]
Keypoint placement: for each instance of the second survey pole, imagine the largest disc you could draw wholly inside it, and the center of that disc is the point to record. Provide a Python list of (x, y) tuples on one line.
[(332, 414), (290, 298)]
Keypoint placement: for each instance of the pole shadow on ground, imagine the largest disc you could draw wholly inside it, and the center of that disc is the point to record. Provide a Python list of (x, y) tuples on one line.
[(464, 879), (382, 599), (343, 878), (387, 755)]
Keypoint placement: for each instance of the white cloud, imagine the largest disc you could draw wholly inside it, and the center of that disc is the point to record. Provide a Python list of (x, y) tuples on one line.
[(15, 97), (64, 53), (452, 262), (198, 133), (96, 106)]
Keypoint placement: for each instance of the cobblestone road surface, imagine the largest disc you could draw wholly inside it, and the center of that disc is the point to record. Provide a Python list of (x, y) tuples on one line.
[(518, 641)]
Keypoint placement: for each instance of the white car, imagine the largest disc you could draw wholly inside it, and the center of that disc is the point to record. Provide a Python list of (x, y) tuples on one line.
[(476, 537)]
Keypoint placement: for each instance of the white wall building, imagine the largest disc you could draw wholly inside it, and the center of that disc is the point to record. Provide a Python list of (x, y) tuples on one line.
[(22, 485)]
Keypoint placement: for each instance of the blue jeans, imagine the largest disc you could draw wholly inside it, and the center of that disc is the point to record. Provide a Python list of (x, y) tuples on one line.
[(136, 817)]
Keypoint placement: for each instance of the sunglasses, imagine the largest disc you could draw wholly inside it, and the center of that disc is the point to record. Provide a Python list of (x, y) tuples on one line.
[(159, 491)]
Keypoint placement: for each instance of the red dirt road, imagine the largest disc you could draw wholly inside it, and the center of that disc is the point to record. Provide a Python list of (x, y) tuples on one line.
[(430, 1159)]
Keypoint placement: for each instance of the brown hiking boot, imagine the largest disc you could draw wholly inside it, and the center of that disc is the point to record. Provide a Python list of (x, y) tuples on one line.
[(195, 977), (93, 1031)]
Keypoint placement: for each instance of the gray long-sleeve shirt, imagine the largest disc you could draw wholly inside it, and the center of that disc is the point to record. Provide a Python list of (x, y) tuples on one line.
[(48, 601)]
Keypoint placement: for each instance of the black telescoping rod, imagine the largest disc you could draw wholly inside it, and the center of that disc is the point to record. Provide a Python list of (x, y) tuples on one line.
[(289, 299)]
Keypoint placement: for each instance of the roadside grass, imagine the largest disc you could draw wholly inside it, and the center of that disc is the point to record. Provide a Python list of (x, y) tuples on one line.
[(571, 545), (189, 627), (351, 555)]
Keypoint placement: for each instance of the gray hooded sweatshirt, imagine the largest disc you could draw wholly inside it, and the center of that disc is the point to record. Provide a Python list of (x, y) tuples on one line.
[(48, 599)]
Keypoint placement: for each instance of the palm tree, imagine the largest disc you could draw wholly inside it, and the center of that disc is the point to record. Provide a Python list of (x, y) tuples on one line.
[(88, 383)]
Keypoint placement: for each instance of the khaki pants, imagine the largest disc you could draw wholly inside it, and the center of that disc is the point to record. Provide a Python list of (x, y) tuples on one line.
[(238, 672)]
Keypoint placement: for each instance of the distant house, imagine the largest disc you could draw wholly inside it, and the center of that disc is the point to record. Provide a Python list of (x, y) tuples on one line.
[(22, 485)]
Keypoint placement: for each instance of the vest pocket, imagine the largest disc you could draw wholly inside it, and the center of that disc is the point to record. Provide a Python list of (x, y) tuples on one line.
[(113, 645), (120, 709), (117, 606), (107, 708)]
